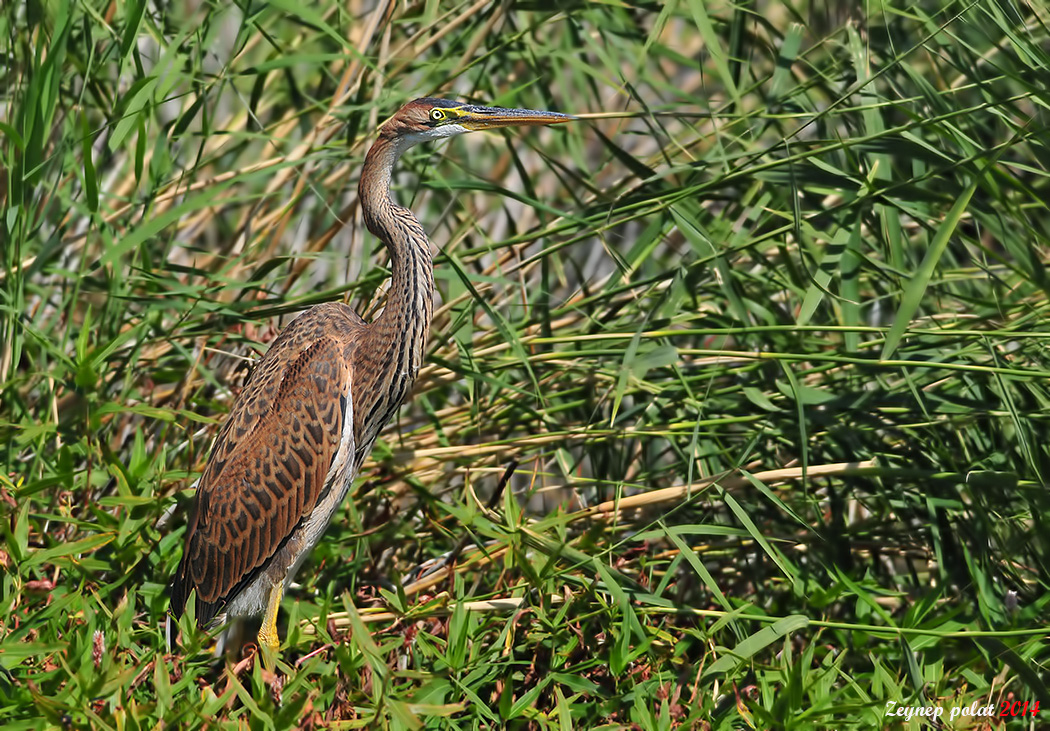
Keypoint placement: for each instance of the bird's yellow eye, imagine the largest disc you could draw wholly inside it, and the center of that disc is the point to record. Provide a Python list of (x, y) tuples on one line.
[(437, 115)]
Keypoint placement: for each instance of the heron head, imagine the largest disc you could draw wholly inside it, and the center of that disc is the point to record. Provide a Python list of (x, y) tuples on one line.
[(432, 119)]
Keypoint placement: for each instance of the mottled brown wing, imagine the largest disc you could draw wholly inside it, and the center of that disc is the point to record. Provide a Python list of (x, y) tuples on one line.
[(268, 466)]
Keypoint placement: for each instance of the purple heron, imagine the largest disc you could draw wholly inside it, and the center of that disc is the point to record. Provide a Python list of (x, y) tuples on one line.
[(315, 403)]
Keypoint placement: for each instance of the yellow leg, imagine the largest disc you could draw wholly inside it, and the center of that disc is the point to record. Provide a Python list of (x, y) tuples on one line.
[(269, 643)]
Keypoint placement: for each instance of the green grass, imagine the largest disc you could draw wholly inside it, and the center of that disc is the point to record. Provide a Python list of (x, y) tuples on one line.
[(765, 350)]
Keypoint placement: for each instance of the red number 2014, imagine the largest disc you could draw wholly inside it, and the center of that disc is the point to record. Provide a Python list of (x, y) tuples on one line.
[(1017, 708)]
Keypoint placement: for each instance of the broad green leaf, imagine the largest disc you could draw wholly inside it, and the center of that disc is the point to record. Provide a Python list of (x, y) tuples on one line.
[(82, 546), (748, 647), (915, 289)]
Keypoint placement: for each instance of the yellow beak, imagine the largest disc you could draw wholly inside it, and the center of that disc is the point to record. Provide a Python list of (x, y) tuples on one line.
[(476, 118)]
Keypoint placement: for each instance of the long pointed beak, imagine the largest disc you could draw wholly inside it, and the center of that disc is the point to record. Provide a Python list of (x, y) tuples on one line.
[(475, 118)]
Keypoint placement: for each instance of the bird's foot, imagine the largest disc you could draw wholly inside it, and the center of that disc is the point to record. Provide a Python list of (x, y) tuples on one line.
[(269, 642), (269, 646)]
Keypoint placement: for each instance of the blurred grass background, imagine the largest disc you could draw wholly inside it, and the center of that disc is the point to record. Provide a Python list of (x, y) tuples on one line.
[(763, 353)]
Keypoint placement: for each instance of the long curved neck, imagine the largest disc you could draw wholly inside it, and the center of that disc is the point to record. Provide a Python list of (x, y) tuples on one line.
[(392, 349)]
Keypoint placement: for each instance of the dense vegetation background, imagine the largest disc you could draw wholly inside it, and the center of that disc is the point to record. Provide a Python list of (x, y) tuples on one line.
[(763, 352)]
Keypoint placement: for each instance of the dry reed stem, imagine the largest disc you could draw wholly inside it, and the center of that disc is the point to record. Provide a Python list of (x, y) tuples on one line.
[(610, 509)]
